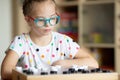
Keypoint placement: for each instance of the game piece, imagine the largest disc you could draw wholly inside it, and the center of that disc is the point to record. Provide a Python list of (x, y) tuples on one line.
[(54, 70), (34, 70), (29, 72), (19, 69), (66, 72), (44, 73)]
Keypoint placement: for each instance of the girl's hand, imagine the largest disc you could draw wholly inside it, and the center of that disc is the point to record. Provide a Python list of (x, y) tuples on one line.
[(62, 63), (59, 62)]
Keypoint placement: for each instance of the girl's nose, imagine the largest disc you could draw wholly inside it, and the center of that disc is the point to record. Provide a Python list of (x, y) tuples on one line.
[(47, 24)]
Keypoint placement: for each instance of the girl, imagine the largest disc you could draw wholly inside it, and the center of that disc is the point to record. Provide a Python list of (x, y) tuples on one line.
[(43, 47)]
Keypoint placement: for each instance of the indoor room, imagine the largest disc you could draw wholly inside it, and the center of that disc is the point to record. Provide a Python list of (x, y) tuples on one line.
[(92, 24)]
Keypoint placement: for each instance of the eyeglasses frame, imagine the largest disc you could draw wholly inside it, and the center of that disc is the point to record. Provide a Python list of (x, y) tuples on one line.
[(47, 20)]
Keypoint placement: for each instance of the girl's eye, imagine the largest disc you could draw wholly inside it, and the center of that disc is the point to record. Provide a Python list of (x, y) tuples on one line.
[(41, 20)]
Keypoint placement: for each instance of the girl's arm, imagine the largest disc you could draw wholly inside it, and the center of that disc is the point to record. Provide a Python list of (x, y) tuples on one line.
[(8, 64), (82, 58)]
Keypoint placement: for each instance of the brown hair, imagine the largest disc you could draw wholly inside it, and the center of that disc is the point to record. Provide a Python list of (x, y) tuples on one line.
[(27, 5)]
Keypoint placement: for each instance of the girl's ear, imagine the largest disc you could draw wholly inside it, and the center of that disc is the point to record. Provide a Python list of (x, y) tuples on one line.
[(27, 19)]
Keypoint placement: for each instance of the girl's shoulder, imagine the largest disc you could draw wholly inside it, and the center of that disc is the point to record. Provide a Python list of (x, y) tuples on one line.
[(21, 37)]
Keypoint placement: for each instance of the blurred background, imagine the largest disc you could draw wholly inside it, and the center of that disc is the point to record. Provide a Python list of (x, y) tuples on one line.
[(6, 26), (94, 24)]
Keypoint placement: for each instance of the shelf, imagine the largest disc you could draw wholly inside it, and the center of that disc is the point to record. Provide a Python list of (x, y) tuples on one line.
[(98, 2), (101, 45), (68, 3)]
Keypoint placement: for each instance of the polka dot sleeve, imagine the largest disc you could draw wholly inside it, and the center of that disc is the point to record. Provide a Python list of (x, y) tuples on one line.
[(17, 45), (71, 47)]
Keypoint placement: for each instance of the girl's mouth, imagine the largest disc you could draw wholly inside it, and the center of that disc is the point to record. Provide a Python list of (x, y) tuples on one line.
[(47, 30)]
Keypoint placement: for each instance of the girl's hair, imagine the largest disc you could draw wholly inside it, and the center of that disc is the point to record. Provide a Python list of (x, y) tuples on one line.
[(28, 5)]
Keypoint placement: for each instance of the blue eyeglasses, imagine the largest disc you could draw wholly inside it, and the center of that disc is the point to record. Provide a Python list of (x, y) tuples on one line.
[(41, 22)]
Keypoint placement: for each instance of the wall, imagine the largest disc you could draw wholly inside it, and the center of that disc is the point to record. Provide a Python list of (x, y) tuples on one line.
[(5, 26)]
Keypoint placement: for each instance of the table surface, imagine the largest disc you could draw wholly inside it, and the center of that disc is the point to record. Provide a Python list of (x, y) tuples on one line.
[(119, 77)]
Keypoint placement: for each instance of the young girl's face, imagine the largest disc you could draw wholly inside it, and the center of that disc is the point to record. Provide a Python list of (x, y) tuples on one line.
[(45, 11)]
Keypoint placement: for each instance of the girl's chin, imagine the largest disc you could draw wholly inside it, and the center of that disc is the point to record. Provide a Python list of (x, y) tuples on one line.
[(47, 31)]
